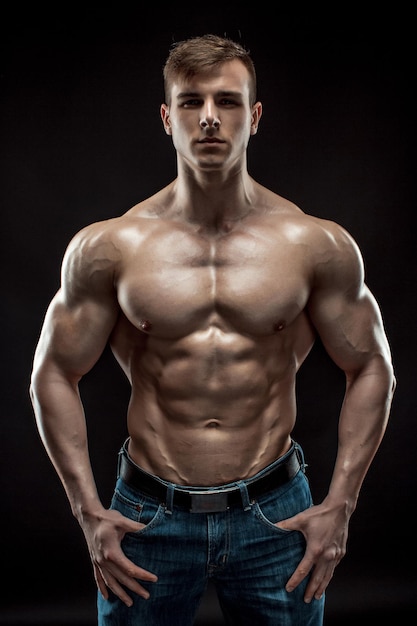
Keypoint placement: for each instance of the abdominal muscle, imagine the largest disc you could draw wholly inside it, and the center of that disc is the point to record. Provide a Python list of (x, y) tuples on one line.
[(211, 408)]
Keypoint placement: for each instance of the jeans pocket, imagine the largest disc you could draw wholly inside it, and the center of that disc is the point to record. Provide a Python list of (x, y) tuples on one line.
[(284, 502), (141, 509), (268, 515)]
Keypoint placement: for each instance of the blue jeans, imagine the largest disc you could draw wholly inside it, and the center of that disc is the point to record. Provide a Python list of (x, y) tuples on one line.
[(248, 559)]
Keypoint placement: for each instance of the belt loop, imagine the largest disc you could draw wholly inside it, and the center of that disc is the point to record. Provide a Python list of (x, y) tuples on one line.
[(122, 452), (244, 495), (300, 456), (119, 461), (170, 499)]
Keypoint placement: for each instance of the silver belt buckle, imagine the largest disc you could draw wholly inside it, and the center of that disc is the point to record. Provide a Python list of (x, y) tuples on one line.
[(208, 502)]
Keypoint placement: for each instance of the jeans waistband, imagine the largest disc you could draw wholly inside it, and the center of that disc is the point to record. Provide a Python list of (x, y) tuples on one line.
[(210, 499)]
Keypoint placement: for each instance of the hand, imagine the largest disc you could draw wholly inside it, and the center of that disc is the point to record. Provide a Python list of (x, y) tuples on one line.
[(325, 530), (112, 569)]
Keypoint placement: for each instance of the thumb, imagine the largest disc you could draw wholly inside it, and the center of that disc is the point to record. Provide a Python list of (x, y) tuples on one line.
[(129, 526), (287, 524)]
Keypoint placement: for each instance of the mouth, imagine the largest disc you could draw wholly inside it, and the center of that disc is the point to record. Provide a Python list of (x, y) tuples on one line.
[(210, 140)]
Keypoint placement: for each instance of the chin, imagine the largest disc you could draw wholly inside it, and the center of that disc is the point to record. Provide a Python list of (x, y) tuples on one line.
[(211, 165)]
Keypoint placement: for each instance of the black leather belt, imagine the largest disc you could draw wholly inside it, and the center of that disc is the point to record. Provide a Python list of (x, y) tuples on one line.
[(207, 500)]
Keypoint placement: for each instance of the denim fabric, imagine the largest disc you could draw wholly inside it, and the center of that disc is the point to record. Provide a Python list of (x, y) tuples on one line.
[(248, 559)]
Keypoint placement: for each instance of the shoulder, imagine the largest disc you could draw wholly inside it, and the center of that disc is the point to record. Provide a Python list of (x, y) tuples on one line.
[(336, 260), (95, 243), (324, 238), (106, 239), (332, 240), (89, 263), (100, 247), (329, 251), (336, 249)]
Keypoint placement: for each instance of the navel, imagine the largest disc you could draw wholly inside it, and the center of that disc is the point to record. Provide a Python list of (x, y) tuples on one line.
[(212, 424)]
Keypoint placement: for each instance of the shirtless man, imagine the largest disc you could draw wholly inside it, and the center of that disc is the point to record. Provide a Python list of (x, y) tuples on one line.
[(211, 294)]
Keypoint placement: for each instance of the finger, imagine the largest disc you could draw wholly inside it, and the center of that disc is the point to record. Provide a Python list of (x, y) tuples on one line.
[(318, 583), (291, 523), (116, 575), (128, 582), (132, 585), (285, 525), (125, 567), (118, 590), (300, 573), (129, 526), (101, 585)]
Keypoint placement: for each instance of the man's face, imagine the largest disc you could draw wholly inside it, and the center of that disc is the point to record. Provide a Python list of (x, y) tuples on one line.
[(210, 117)]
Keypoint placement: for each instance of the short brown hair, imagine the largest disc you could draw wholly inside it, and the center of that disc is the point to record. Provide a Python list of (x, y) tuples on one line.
[(198, 54)]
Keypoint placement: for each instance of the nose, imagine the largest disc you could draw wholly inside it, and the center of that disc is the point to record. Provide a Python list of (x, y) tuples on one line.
[(207, 122), (215, 123), (209, 117)]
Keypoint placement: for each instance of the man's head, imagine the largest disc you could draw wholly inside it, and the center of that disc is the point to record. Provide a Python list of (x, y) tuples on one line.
[(200, 54)]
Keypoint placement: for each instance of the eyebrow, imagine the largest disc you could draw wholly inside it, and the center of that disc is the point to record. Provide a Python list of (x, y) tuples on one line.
[(196, 94)]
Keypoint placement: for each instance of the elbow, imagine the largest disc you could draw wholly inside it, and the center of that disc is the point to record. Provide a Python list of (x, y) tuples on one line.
[(31, 392), (377, 374), (387, 372), (393, 383), (40, 380), (387, 378), (390, 374), (34, 387)]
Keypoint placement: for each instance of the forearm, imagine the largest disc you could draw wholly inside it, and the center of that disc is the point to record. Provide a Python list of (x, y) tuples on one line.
[(61, 423), (362, 424)]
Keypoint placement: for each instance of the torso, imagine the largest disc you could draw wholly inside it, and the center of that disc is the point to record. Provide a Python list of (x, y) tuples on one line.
[(212, 329)]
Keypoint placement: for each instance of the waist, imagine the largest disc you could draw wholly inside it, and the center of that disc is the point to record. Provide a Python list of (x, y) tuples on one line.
[(211, 499)]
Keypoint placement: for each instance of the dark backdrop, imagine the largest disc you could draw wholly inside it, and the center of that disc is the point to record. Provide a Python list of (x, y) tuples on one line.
[(81, 141)]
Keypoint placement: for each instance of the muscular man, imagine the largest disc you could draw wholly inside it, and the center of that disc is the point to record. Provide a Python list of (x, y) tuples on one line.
[(210, 294)]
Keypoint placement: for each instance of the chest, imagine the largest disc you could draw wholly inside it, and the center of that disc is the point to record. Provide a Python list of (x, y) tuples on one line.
[(251, 282)]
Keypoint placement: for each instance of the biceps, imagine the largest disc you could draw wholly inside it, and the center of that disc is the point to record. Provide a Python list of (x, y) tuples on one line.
[(74, 338), (351, 329)]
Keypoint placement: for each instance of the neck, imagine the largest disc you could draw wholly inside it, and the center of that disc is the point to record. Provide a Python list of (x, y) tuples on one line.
[(213, 199)]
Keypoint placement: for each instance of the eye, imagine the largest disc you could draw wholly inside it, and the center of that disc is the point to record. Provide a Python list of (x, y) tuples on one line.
[(192, 102), (228, 102)]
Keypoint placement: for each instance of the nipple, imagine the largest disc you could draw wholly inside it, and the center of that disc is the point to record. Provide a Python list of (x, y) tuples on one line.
[(145, 325), (279, 326)]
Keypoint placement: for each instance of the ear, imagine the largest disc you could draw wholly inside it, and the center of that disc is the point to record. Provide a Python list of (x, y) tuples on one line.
[(165, 118), (256, 116)]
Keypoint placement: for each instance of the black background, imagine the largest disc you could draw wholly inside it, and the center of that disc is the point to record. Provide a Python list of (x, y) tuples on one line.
[(81, 141)]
